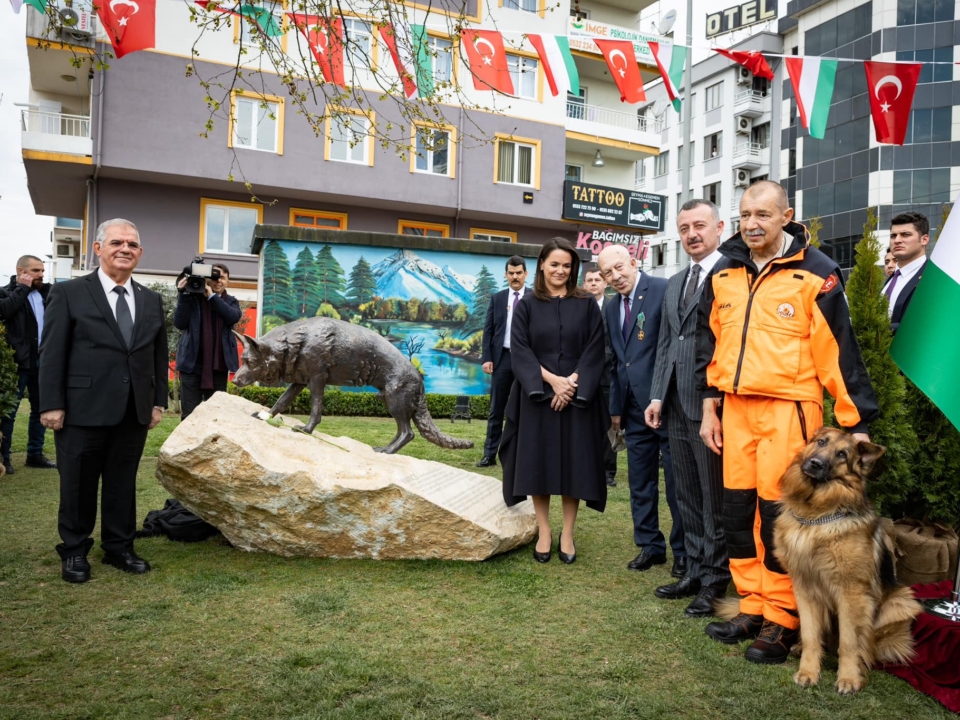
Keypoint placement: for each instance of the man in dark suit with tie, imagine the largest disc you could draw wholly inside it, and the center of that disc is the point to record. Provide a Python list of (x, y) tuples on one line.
[(103, 385), (675, 397), (594, 284), (909, 235), (496, 353), (633, 323)]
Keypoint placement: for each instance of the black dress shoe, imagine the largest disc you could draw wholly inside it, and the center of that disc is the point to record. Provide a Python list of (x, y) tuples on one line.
[(128, 562), (568, 559), (679, 569), (8, 467), (487, 462), (646, 560), (40, 461), (75, 569), (542, 557), (742, 627), (773, 645), (702, 605), (684, 587), (611, 481)]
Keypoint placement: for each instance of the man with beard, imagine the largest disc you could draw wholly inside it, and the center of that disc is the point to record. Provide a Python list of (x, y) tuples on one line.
[(22, 305)]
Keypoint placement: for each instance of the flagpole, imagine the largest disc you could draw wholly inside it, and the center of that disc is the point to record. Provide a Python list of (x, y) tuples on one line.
[(685, 156)]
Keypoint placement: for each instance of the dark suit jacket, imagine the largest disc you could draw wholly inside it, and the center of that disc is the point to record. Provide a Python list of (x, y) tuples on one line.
[(86, 368), (608, 356), (187, 317), (495, 327), (21, 323), (634, 362), (903, 299), (677, 350)]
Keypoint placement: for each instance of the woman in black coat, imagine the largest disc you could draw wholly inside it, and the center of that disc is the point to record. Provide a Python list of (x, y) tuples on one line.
[(556, 419)]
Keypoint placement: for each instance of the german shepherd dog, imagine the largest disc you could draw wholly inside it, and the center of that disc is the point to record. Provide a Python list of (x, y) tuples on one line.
[(832, 544)]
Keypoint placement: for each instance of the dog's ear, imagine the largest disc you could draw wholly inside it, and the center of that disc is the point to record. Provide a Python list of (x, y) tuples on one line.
[(869, 454)]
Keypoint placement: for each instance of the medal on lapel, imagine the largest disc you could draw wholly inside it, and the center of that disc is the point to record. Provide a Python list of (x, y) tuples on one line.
[(640, 320)]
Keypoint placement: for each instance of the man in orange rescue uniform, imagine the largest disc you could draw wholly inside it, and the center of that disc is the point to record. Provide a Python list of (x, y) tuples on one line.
[(774, 329)]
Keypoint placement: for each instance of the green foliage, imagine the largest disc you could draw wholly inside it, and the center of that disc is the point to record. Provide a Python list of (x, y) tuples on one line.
[(413, 310), (277, 284), (814, 226), (486, 286), (894, 478), (330, 284), (170, 296), (362, 286), (305, 284), (9, 376), (271, 322), (327, 310), (473, 344)]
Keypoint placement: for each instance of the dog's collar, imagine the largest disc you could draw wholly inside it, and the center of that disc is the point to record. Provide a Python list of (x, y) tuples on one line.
[(823, 520)]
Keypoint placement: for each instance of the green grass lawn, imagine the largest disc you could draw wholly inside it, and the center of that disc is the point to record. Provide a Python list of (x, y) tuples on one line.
[(214, 632)]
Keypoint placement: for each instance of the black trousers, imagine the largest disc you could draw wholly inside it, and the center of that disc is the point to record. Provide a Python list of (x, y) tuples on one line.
[(609, 456), (84, 456), (500, 384), (190, 393)]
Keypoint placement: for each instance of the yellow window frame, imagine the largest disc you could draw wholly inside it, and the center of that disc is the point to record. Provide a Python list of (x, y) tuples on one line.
[(452, 154), (235, 21), (516, 139), (371, 146), (541, 7), (248, 95), (207, 202), (484, 231), (326, 215), (401, 224), (540, 75)]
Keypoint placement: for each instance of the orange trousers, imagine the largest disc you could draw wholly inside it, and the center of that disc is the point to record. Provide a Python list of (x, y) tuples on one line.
[(761, 436)]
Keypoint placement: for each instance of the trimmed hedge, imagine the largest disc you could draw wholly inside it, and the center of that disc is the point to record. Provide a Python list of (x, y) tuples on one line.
[(356, 404)]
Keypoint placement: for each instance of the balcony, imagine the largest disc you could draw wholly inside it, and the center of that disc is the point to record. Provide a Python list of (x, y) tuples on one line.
[(622, 135), (53, 132), (750, 156), (640, 185), (750, 103)]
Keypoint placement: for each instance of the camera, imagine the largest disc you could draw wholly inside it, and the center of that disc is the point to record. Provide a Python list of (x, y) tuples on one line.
[(197, 274)]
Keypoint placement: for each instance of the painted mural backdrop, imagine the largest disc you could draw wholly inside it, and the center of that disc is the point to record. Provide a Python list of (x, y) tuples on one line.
[(431, 305)]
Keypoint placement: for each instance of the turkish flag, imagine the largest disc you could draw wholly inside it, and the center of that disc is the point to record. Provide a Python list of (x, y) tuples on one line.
[(622, 62), (892, 86), (752, 61), (325, 36), (131, 25), (488, 60)]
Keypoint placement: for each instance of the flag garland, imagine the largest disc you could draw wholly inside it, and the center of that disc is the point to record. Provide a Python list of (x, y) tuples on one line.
[(752, 60), (892, 86), (813, 79), (411, 56), (557, 62), (262, 16), (489, 68), (131, 26), (325, 38), (628, 78), (670, 60)]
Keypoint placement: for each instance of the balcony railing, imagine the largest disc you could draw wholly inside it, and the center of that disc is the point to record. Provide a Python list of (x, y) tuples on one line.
[(640, 184), (606, 116), (750, 95), (54, 123), (746, 151)]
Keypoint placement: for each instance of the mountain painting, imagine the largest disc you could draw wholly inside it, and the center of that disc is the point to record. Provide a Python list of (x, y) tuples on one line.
[(431, 305)]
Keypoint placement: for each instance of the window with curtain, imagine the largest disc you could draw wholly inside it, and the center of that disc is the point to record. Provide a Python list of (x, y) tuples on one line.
[(715, 96), (515, 162), (661, 164), (442, 51)]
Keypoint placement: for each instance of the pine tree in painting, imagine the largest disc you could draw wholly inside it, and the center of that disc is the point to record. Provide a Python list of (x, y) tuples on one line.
[(362, 286), (330, 282), (305, 284), (277, 291), (486, 286)]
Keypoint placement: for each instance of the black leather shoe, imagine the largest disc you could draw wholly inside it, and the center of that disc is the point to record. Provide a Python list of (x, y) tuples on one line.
[(128, 562), (75, 569), (40, 461), (773, 645), (8, 467), (646, 560), (487, 462), (568, 559), (679, 569), (611, 481), (684, 587), (542, 557), (742, 627), (702, 605)]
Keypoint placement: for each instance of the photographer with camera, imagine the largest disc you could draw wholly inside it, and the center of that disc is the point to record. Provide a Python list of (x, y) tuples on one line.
[(208, 350)]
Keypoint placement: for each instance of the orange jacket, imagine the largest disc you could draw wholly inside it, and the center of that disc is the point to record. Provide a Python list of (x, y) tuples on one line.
[(783, 333)]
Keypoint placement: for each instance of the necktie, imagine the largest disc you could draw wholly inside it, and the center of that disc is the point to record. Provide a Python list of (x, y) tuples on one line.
[(516, 299), (626, 318), (892, 283), (124, 319), (691, 290)]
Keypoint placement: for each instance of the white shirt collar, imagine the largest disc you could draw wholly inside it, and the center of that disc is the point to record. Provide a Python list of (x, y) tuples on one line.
[(911, 268), (108, 283), (706, 265)]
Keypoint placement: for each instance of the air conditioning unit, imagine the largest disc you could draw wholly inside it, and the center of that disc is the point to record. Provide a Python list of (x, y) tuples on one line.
[(741, 178), (76, 25), (744, 125), (744, 76), (65, 250)]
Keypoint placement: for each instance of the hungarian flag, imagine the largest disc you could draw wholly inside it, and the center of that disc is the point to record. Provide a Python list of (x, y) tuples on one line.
[(670, 60), (262, 16), (557, 62), (622, 62), (891, 87), (923, 347), (325, 37), (752, 61), (812, 79), (411, 56), (488, 60), (39, 5), (130, 24)]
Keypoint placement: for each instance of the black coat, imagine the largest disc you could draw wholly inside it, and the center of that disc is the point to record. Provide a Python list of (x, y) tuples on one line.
[(545, 452), (187, 317), (86, 368), (903, 299), (21, 323)]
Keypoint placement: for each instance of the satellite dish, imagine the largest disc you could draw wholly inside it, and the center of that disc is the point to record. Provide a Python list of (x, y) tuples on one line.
[(666, 22)]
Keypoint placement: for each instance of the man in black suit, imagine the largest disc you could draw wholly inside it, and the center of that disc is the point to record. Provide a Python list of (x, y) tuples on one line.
[(594, 284), (103, 385), (909, 235), (676, 398), (633, 323), (496, 352)]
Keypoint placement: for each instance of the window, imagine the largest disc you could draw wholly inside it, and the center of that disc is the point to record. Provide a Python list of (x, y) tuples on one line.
[(349, 138), (713, 146), (760, 135), (921, 186), (715, 96), (575, 104), (917, 12), (358, 43), (572, 172), (423, 229), (435, 153), (932, 125), (523, 72), (517, 161), (661, 164), (227, 226), (792, 162), (758, 178), (256, 122), (657, 256), (582, 15), (248, 33), (931, 73), (318, 219), (493, 235), (760, 85), (525, 5), (712, 193), (442, 51)]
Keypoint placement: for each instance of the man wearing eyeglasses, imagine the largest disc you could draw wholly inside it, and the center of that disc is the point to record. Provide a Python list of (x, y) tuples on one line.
[(103, 385)]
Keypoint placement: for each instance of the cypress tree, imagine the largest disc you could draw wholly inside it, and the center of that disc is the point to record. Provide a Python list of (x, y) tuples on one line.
[(277, 291), (486, 286), (305, 284), (362, 286)]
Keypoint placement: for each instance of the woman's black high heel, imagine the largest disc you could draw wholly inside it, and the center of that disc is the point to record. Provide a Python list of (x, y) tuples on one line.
[(568, 559), (542, 557)]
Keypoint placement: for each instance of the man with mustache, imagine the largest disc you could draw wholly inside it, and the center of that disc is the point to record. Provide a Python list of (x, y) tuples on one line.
[(909, 235), (773, 330)]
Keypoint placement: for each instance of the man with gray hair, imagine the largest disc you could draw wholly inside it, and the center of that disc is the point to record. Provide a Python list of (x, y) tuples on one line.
[(103, 385)]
